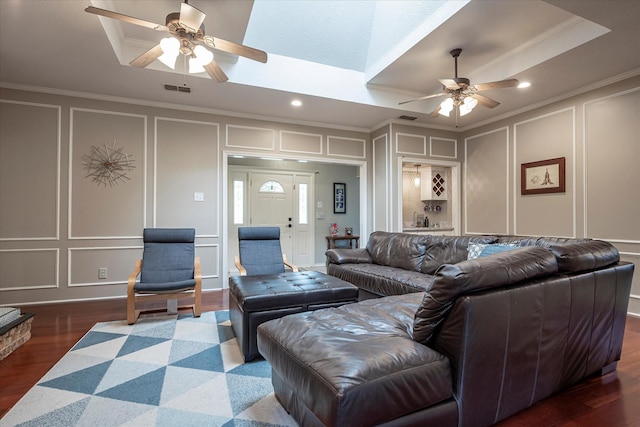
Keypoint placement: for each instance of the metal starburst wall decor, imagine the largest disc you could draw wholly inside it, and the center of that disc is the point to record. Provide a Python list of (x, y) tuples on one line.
[(108, 165)]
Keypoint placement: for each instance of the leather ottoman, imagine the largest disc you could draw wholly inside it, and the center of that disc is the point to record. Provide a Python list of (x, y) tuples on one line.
[(256, 299)]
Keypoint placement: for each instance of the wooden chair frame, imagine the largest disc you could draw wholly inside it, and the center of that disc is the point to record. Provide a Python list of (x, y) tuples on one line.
[(133, 297), (243, 271)]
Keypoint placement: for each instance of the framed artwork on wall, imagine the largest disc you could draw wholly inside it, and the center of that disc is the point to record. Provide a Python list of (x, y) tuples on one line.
[(339, 197), (545, 176)]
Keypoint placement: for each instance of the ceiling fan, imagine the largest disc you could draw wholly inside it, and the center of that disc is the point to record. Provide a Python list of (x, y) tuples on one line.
[(187, 30), (462, 93)]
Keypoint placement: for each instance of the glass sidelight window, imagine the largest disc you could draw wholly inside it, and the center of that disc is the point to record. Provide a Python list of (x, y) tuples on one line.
[(238, 202), (303, 206)]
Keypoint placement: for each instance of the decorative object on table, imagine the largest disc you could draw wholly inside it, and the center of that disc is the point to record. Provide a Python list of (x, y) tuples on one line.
[(348, 231), (333, 229), (108, 165), (545, 176), (339, 197)]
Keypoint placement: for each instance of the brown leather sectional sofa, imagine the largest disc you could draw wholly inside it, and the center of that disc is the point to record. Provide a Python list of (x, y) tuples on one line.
[(457, 342)]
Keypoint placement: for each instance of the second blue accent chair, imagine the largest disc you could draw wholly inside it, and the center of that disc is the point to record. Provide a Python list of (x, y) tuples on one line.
[(260, 252)]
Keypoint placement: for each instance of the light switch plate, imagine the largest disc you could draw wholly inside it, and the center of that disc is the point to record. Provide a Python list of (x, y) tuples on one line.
[(319, 205), (198, 197)]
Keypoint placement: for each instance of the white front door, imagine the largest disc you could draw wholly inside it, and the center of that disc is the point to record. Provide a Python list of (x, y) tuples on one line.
[(272, 205), (274, 198)]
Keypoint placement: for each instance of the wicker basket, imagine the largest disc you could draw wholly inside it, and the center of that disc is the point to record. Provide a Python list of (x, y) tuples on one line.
[(14, 334)]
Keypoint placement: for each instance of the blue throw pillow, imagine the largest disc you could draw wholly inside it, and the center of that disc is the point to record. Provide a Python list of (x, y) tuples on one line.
[(494, 249)]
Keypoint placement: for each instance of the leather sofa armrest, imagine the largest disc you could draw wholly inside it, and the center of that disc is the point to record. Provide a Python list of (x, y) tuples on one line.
[(591, 255), (348, 256)]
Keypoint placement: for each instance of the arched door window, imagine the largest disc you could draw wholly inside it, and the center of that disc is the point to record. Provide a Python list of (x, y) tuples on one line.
[(271, 187)]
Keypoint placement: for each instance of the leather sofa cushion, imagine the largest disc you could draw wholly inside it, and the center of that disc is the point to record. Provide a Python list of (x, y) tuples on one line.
[(448, 250), (400, 250), (357, 364), (381, 279), (501, 269), (589, 255), (348, 256)]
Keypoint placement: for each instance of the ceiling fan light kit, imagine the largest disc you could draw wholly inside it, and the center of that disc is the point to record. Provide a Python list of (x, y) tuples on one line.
[(187, 31), (170, 51), (462, 94)]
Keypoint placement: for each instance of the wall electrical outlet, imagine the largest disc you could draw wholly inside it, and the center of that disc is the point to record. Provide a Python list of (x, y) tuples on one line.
[(102, 273), (198, 197)]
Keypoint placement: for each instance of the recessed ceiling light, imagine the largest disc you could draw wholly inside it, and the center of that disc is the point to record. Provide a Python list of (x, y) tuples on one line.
[(303, 161), (523, 85), (296, 103)]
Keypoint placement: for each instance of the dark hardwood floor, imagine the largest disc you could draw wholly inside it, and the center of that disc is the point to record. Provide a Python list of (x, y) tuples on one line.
[(612, 400)]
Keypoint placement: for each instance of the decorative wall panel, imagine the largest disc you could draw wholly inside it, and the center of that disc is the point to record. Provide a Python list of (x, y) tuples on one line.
[(546, 137), (102, 211), (612, 152), (346, 147), (250, 137), (30, 165), (411, 144), (298, 142), (486, 194), (380, 183), (634, 302), (85, 262), (209, 260), (443, 147), (186, 170), (22, 269)]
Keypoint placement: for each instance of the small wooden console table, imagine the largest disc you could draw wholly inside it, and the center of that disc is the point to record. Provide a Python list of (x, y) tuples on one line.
[(331, 240)]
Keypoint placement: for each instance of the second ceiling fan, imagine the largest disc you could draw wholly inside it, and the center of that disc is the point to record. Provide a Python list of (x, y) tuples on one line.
[(187, 30), (462, 94)]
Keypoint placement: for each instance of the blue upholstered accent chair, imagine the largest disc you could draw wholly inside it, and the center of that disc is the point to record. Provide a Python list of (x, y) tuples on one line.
[(168, 270), (260, 252)]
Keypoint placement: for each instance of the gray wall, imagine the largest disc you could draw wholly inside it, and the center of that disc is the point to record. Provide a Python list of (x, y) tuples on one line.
[(58, 227), (598, 134)]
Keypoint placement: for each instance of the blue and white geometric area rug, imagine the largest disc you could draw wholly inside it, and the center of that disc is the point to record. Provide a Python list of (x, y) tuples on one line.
[(166, 371)]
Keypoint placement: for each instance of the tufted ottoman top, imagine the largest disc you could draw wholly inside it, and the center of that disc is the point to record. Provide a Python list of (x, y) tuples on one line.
[(273, 291)]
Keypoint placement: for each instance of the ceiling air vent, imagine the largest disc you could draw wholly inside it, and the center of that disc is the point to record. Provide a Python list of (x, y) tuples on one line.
[(173, 88), (403, 117)]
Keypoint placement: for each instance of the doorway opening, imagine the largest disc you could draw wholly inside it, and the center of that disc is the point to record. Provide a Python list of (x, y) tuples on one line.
[(429, 197), (258, 191)]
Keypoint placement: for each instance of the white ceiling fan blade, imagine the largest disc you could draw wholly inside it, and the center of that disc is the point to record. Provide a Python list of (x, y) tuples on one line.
[(485, 101), (496, 85), (423, 97), (449, 84), (190, 17), (235, 48), (436, 112), (125, 18), (147, 58), (215, 72)]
